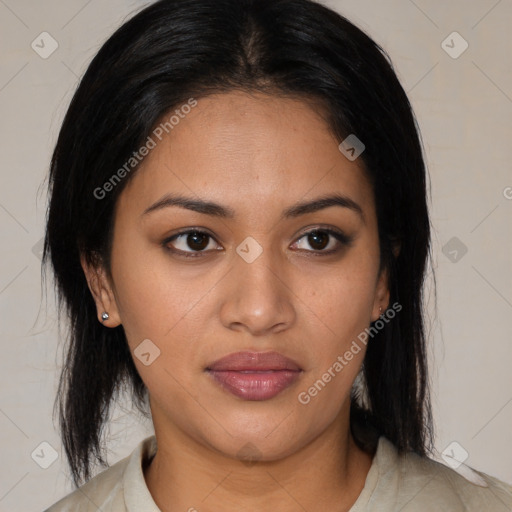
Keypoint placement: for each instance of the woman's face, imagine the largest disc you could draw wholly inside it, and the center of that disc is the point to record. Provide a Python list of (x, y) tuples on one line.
[(252, 280)]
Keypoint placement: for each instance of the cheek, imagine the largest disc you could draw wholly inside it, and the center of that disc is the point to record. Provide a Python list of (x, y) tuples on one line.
[(340, 301), (145, 306), (156, 317), (151, 294), (169, 308), (337, 327)]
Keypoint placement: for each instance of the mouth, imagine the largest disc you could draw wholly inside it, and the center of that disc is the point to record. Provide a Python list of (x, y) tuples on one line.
[(254, 375)]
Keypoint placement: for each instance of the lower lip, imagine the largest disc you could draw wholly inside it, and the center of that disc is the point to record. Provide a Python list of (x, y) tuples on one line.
[(257, 385)]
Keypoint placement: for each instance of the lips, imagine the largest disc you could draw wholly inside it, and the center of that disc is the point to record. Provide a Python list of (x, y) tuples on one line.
[(254, 375)]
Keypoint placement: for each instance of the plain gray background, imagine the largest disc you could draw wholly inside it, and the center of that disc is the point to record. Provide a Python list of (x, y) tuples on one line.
[(463, 102)]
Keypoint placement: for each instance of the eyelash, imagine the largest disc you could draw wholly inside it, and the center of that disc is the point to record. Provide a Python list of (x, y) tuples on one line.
[(342, 238)]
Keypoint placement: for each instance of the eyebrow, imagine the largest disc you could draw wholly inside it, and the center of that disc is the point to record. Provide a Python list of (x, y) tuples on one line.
[(217, 210)]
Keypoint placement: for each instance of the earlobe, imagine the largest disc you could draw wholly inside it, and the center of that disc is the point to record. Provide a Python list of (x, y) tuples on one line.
[(101, 290), (382, 293), (396, 247)]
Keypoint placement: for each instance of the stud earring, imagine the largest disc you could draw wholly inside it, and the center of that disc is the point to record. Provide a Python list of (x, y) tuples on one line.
[(104, 316)]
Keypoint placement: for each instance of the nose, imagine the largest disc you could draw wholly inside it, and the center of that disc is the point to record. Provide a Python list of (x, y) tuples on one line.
[(258, 296)]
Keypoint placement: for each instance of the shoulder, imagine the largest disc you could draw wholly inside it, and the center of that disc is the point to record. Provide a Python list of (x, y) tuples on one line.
[(103, 492), (417, 483), (106, 491)]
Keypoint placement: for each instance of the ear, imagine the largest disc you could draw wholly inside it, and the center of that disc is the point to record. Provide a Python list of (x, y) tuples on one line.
[(381, 295), (101, 290)]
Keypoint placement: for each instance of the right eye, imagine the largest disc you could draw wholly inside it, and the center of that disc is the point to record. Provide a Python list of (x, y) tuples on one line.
[(190, 243)]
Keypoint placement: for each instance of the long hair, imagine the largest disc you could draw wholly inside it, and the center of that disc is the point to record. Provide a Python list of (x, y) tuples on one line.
[(156, 61)]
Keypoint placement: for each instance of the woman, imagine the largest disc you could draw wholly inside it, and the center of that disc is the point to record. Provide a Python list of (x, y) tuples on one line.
[(239, 230)]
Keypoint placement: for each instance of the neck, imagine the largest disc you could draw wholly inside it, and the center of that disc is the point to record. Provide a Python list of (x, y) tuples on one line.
[(330, 472)]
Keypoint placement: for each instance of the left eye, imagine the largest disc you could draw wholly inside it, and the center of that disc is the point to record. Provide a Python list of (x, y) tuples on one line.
[(322, 240)]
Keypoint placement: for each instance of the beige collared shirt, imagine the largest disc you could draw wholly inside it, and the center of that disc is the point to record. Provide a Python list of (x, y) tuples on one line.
[(407, 484)]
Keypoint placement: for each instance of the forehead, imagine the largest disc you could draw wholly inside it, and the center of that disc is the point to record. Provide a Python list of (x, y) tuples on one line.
[(251, 152)]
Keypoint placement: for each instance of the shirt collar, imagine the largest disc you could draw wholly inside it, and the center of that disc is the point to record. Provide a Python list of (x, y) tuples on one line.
[(137, 497)]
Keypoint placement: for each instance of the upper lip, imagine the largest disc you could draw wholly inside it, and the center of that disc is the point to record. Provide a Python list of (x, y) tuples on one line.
[(247, 361)]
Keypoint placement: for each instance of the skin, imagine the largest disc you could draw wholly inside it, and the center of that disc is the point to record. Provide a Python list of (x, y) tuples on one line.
[(257, 154)]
